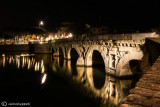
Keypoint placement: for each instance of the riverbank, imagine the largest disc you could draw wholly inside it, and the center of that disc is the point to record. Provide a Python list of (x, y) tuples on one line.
[(14, 48), (32, 48)]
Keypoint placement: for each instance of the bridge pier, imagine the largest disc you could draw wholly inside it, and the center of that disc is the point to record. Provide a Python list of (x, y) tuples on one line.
[(80, 62), (55, 54)]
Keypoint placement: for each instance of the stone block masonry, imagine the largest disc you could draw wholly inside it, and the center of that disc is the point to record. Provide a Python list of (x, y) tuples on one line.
[(120, 52), (147, 90), (41, 48)]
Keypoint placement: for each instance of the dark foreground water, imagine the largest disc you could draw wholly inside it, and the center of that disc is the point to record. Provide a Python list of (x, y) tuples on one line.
[(42, 80)]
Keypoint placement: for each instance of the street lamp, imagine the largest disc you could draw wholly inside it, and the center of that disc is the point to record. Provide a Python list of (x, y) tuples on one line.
[(70, 35), (41, 23)]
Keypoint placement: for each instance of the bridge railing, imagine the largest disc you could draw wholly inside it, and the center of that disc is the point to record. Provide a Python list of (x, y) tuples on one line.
[(130, 36)]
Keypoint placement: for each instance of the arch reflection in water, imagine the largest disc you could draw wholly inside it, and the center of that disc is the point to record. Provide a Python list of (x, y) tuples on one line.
[(111, 90), (98, 75), (57, 65)]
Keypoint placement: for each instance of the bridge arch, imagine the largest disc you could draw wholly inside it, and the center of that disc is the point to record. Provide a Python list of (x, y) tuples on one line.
[(55, 51), (61, 56), (80, 58), (61, 51), (96, 50), (123, 67), (75, 49)]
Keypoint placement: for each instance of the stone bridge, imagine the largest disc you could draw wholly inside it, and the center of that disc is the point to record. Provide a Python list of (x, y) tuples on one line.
[(119, 53)]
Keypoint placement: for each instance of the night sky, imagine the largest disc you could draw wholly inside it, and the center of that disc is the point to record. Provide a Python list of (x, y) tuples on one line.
[(25, 13)]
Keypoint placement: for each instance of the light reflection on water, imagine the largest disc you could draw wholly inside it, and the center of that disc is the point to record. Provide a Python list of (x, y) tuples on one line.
[(112, 91), (84, 79), (24, 61), (44, 78)]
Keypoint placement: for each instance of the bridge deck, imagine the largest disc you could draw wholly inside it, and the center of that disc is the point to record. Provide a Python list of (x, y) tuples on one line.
[(147, 90)]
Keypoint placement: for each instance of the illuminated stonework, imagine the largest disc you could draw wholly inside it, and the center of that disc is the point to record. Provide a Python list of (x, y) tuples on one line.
[(113, 90), (117, 54)]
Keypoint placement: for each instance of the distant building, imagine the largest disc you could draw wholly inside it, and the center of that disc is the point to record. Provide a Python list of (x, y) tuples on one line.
[(65, 28), (97, 30), (157, 30)]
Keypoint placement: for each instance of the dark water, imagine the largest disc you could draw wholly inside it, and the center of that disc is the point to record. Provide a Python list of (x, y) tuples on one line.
[(43, 80)]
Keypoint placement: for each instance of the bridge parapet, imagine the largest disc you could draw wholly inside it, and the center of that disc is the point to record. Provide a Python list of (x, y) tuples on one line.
[(129, 36)]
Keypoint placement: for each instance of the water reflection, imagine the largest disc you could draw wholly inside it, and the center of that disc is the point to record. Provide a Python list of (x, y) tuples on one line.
[(91, 82), (4, 61), (43, 78), (111, 90), (24, 60)]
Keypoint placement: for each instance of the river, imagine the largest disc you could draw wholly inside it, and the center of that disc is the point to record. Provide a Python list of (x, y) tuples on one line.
[(44, 80)]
